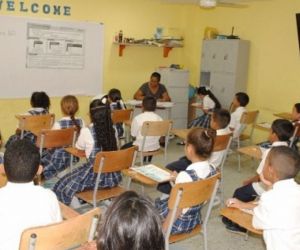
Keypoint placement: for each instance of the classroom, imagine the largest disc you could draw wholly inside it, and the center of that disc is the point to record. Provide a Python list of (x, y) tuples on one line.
[(272, 81)]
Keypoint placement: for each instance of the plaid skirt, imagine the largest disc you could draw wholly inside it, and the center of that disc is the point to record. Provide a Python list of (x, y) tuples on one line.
[(202, 121), (185, 222), (55, 161), (81, 179)]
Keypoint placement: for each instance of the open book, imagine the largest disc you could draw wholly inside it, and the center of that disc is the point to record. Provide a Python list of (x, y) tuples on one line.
[(153, 172)]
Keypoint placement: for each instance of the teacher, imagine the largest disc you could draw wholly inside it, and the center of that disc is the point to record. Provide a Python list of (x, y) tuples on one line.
[(154, 89)]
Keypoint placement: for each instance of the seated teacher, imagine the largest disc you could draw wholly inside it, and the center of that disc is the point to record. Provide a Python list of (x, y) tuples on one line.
[(154, 89)]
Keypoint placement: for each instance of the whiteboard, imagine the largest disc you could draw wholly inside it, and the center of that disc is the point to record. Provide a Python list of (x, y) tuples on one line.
[(58, 57)]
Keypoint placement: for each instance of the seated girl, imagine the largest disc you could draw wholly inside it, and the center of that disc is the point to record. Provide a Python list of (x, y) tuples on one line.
[(199, 146), (56, 160), (99, 136)]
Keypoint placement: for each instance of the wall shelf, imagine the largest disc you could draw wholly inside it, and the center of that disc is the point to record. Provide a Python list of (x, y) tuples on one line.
[(166, 48)]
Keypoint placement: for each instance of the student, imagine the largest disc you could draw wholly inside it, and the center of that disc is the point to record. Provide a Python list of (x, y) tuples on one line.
[(154, 89), (220, 119), (24, 205), (152, 142), (99, 136), (131, 222), (209, 103), (116, 103), (40, 104), (296, 121), (56, 160), (281, 131), (240, 101), (277, 212), (198, 149)]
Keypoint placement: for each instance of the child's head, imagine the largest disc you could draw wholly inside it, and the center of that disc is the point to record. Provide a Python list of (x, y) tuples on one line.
[(114, 95), (282, 163), (296, 112), (220, 119), (69, 105), (199, 143), (101, 118), (203, 91), (281, 130), (149, 104), (241, 99), (40, 100), (131, 222), (21, 161)]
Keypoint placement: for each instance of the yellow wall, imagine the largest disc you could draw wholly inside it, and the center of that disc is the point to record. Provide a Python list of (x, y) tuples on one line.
[(269, 25)]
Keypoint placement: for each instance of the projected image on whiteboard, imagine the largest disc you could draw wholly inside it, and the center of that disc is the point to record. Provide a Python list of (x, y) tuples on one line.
[(54, 47)]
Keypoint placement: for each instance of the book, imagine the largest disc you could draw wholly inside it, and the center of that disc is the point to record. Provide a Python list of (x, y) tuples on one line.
[(153, 172)]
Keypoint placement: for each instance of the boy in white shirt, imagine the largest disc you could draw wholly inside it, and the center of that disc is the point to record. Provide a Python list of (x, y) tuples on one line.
[(277, 212), (281, 131), (240, 101), (152, 142), (24, 205)]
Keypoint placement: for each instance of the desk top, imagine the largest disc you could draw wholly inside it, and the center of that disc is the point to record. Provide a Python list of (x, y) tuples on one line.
[(284, 115), (241, 218), (181, 133), (159, 104), (252, 151), (264, 126)]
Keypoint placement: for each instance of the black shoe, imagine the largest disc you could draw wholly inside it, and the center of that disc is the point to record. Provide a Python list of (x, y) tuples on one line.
[(234, 228), (226, 221)]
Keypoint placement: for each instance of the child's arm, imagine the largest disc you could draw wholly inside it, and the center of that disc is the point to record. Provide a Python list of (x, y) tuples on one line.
[(134, 128), (233, 202), (252, 179)]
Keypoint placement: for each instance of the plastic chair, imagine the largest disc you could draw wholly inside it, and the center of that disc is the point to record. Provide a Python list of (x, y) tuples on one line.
[(155, 128), (190, 194), (108, 162), (35, 123), (64, 235), (248, 118)]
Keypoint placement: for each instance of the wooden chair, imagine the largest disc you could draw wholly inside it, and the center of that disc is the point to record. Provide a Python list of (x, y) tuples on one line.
[(248, 118), (35, 123), (190, 194), (107, 162), (295, 134), (155, 128), (64, 235)]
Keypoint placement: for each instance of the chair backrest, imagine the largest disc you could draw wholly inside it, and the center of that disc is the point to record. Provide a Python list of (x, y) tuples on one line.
[(156, 128), (55, 138), (193, 193), (113, 161), (121, 115), (295, 134), (221, 142), (64, 235), (249, 117), (35, 123)]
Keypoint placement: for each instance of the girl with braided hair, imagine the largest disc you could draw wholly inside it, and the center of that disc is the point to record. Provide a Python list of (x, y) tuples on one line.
[(57, 159), (99, 136)]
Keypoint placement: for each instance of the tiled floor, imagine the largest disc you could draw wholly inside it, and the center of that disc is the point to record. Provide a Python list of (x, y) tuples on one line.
[(218, 237)]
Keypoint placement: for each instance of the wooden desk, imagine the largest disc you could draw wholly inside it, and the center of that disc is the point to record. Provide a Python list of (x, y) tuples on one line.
[(181, 133), (284, 115), (264, 126), (252, 151), (241, 218), (67, 212), (76, 152)]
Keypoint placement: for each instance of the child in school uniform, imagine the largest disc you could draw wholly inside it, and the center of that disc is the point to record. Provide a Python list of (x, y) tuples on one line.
[(40, 103), (281, 131), (209, 103), (56, 160), (24, 205), (277, 212), (116, 103), (220, 119), (239, 103), (198, 148), (99, 136)]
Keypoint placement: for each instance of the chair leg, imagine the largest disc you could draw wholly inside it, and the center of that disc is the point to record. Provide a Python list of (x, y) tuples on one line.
[(239, 156), (204, 238)]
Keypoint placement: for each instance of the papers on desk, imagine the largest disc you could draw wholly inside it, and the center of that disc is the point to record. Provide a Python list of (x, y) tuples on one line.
[(265, 125), (247, 211), (159, 104), (153, 172)]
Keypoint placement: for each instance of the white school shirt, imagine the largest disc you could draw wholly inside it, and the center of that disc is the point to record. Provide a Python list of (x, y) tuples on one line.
[(202, 170), (56, 125), (152, 142), (235, 123), (208, 103), (37, 109), (215, 158), (85, 141), (24, 205), (259, 187), (278, 215)]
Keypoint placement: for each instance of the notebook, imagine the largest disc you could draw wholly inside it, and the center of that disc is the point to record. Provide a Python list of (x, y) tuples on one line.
[(153, 172)]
